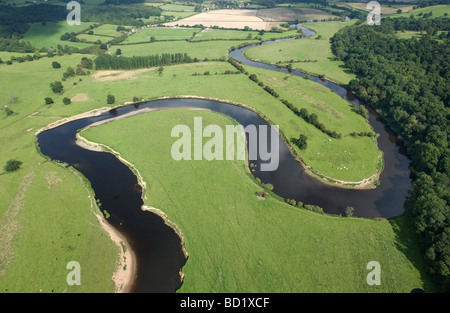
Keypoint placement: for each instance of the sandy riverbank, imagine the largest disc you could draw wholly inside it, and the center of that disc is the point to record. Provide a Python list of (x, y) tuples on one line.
[(126, 269)]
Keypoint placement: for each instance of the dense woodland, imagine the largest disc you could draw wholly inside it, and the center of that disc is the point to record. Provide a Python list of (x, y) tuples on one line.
[(407, 81), (122, 15), (14, 21)]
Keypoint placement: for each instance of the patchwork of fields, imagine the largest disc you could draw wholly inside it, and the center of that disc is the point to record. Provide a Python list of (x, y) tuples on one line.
[(235, 245)]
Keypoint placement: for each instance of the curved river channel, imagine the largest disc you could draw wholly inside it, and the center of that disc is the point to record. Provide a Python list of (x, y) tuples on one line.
[(156, 246)]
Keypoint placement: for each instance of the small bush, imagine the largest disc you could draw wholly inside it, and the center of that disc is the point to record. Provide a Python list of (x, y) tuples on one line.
[(313, 208), (110, 99)]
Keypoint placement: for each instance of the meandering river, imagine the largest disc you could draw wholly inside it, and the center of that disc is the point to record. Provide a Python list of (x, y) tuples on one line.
[(156, 246)]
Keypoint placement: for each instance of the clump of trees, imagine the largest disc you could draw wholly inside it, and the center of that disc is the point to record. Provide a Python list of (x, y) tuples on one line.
[(300, 142), (57, 87), (67, 101), (70, 72), (295, 203), (70, 37), (110, 99), (12, 165), (361, 110)]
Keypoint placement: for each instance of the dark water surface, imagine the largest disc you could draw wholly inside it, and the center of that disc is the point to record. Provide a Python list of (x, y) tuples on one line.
[(157, 247)]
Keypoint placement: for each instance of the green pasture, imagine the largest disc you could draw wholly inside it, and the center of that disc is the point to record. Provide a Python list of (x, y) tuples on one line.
[(242, 244), (160, 33), (200, 50), (48, 36), (312, 54)]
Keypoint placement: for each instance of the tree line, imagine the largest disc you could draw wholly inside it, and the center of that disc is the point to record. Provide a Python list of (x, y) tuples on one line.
[(109, 62), (407, 81)]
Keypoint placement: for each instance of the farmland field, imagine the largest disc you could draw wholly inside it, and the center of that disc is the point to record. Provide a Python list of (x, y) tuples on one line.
[(226, 18), (177, 7), (195, 49), (361, 179), (385, 9), (179, 14), (255, 19), (283, 14), (228, 34), (107, 30), (161, 34), (436, 10), (94, 38), (50, 34)]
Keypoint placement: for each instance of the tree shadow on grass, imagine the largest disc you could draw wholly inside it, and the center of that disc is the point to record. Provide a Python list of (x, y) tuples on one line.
[(407, 242), (345, 69)]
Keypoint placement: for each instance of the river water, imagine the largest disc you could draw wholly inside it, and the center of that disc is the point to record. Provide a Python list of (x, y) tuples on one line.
[(156, 246)]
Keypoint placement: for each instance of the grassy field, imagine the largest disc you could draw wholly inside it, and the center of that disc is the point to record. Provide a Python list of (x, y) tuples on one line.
[(179, 14), (409, 34), (94, 38), (224, 34), (161, 33), (242, 244), (177, 7), (49, 222), (173, 40), (437, 10), (44, 206), (49, 35), (230, 34), (349, 158), (308, 49), (283, 14), (107, 30), (200, 50), (385, 9)]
